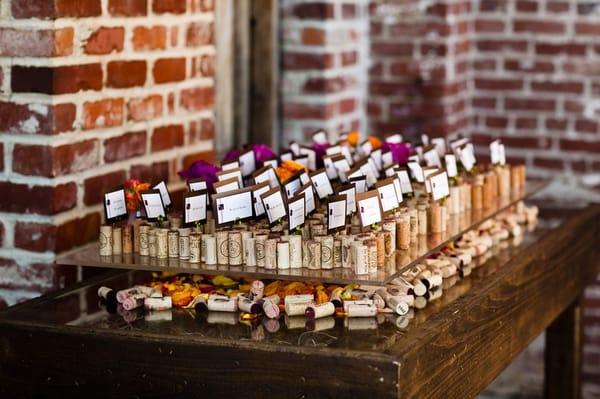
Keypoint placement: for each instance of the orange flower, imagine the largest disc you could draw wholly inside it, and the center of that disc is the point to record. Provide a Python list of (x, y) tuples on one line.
[(287, 169), (375, 142), (133, 198), (353, 138)]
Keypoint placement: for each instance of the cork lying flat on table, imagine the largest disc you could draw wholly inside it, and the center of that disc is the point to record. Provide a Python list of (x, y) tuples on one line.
[(452, 348)]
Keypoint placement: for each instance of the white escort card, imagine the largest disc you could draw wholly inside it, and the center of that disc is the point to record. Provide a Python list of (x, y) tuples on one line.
[(231, 173), (153, 205), (194, 206), (197, 185), (257, 191), (336, 213), (321, 183), (349, 191), (369, 208), (309, 197), (266, 174), (274, 205), (450, 161), (387, 195), (233, 206), (296, 212), (115, 206), (247, 162), (226, 185), (164, 193), (439, 185)]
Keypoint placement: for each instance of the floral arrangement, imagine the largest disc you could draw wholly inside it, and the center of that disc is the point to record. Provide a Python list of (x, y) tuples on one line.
[(262, 152), (201, 170), (133, 198), (287, 169)]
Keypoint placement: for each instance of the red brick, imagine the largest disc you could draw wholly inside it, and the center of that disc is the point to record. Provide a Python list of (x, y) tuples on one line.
[(122, 74), (1, 157), (103, 113), (203, 129), (149, 38), (324, 85), (308, 111), (529, 104), (199, 34), (167, 70), (205, 66), (559, 87), (36, 43), (502, 45), (587, 28), (313, 36), (573, 106), (126, 146), (538, 26), (42, 160), (145, 108), (56, 80), (489, 25), (39, 237), (45, 200), (484, 65), (526, 123), (168, 6), (527, 6), (496, 122), (208, 156), (560, 48), (46, 9), (348, 58), (556, 124), (174, 36), (319, 10), (392, 49), (348, 11), (127, 8), (95, 187), (586, 126), (167, 137), (36, 118), (580, 145), (535, 67), (484, 102), (151, 173), (347, 105), (498, 84), (557, 6), (547, 163), (105, 40), (526, 142), (42, 9), (197, 99), (299, 61)]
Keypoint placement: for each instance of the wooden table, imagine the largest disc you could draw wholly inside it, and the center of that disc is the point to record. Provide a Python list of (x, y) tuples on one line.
[(64, 344)]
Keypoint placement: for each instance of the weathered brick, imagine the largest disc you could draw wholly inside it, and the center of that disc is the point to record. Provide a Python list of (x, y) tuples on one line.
[(151, 173), (103, 113), (587, 28), (45, 200), (36, 118), (538, 26), (149, 38), (167, 70), (167, 137), (96, 186), (105, 40), (313, 36), (208, 156), (203, 129), (145, 108), (529, 104), (199, 33), (126, 146), (127, 8), (559, 87), (197, 99), (43, 160), (498, 84), (169, 6), (317, 10), (56, 80), (36, 43), (298, 60), (47, 9), (123, 74)]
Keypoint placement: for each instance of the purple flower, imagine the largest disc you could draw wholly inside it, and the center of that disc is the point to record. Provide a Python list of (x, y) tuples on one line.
[(201, 170), (233, 155), (320, 151), (262, 152), (400, 151)]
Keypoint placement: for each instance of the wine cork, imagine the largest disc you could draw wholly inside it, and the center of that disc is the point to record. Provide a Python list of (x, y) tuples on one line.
[(117, 243), (245, 235), (195, 247), (361, 310), (162, 243), (184, 243), (271, 254), (106, 236), (435, 218), (222, 303), (372, 247), (390, 227), (403, 232), (127, 239), (295, 251), (454, 200), (249, 251), (202, 245), (222, 238), (235, 248), (361, 257), (477, 193), (443, 217), (380, 240), (413, 216), (152, 249), (487, 194), (318, 311), (422, 216), (327, 252), (283, 255), (144, 233), (337, 253), (346, 252), (173, 243), (259, 246), (137, 223), (313, 253), (175, 222), (210, 256)]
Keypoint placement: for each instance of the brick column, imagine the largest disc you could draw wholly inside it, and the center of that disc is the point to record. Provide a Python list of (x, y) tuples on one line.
[(324, 57), (92, 92)]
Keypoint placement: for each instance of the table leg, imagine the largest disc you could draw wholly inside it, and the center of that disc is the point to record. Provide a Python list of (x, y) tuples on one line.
[(563, 355)]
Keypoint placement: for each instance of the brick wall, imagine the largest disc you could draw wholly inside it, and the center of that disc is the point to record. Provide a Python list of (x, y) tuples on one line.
[(92, 92), (324, 52)]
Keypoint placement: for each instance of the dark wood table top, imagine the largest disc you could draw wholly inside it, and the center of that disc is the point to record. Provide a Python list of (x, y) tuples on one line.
[(65, 343)]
